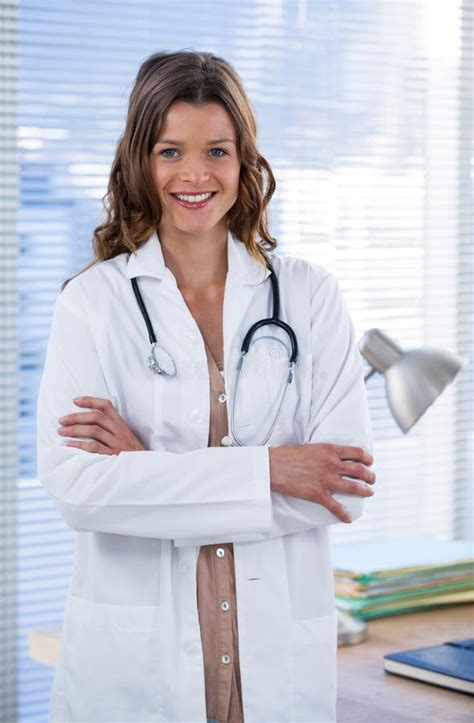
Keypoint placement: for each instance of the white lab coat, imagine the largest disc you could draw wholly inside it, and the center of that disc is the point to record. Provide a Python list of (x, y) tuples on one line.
[(130, 647)]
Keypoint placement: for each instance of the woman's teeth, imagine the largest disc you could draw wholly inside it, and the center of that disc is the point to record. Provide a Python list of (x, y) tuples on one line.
[(193, 199)]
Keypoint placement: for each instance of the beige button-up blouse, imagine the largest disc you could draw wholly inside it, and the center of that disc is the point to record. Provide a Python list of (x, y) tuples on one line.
[(216, 593)]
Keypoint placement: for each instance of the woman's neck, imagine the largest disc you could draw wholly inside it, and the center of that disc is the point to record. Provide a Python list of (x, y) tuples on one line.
[(198, 264)]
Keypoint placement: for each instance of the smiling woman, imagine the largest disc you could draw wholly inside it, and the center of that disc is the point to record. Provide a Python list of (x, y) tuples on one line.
[(197, 557)]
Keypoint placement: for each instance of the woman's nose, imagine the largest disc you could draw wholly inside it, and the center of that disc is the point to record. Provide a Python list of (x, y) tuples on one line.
[(194, 171)]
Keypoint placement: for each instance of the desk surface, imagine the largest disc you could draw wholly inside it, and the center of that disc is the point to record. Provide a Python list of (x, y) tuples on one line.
[(367, 694)]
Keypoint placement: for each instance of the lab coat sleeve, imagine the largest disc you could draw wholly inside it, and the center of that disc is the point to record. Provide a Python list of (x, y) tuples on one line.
[(339, 412), (157, 494)]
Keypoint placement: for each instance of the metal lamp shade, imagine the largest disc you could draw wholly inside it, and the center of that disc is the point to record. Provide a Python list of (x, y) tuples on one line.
[(413, 378)]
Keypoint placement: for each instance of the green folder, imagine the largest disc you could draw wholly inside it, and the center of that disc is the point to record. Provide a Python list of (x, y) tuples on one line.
[(385, 577)]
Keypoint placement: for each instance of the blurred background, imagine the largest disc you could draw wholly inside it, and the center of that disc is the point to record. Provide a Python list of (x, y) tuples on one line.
[(364, 111)]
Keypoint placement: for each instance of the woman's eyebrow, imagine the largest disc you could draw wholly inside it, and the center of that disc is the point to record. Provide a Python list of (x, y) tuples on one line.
[(210, 143)]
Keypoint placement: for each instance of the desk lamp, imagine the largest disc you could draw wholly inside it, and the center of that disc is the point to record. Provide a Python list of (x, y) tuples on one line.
[(413, 380)]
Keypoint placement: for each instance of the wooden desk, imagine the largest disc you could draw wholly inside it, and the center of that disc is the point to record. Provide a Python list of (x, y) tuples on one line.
[(367, 694)]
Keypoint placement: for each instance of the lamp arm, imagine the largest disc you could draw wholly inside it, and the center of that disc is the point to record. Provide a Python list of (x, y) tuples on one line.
[(369, 374)]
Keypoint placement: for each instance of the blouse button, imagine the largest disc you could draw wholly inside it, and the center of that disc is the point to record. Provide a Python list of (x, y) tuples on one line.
[(225, 605), (220, 552), (222, 397), (225, 659)]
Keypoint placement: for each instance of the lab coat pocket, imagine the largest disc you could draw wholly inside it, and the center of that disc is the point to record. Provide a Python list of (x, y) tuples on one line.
[(120, 570), (313, 657), (309, 573), (110, 662)]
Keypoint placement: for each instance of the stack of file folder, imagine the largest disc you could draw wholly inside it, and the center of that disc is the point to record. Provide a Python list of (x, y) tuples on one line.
[(387, 577)]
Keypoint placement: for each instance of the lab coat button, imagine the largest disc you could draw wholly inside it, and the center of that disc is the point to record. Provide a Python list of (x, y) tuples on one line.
[(222, 397), (192, 336), (197, 416), (190, 647), (220, 552), (183, 568), (225, 659), (225, 605)]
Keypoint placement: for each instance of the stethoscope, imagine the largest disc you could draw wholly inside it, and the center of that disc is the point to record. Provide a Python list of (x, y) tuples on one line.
[(155, 364)]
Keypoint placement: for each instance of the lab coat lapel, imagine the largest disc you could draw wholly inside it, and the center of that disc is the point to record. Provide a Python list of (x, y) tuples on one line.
[(148, 260), (243, 276)]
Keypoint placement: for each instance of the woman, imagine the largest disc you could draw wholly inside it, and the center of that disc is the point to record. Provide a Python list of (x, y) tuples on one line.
[(202, 584)]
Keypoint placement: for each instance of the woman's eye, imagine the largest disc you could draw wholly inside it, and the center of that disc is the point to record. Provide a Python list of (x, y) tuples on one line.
[(220, 151), (168, 150)]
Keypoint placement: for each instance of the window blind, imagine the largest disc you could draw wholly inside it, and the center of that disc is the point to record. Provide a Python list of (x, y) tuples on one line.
[(364, 110), (8, 362)]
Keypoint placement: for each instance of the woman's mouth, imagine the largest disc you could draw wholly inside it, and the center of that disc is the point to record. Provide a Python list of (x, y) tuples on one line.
[(194, 200)]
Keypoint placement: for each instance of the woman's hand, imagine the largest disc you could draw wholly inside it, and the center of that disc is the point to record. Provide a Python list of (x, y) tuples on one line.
[(109, 432), (313, 471)]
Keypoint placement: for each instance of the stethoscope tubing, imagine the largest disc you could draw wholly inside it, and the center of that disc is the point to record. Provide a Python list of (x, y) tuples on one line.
[(156, 368)]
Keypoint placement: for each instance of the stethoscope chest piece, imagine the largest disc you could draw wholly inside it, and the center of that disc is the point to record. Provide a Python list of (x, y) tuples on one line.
[(161, 362)]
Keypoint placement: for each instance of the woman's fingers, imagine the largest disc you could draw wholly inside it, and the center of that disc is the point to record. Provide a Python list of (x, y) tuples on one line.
[(358, 454), (92, 447), (357, 470), (315, 472), (95, 418), (352, 487), (102, 405), (93, 431), (110, 434), (338, 510), (100, 424)]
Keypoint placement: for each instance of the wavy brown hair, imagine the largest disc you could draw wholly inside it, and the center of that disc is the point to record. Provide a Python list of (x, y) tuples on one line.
[(132, 208)]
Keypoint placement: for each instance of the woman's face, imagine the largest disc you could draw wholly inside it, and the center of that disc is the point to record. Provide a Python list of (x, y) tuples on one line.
[(195, 154)]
